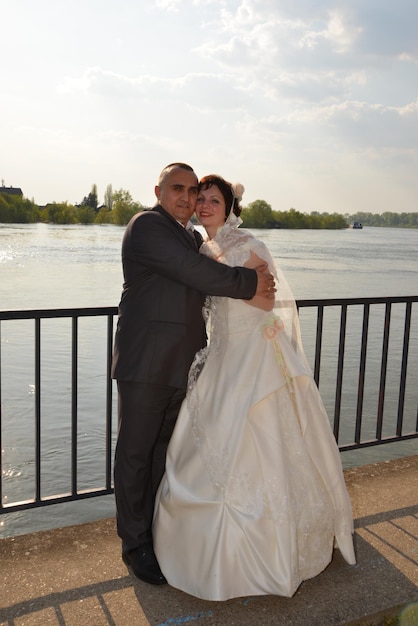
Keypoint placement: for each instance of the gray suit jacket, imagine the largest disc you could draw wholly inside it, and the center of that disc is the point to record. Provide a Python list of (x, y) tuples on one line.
[(160, 325)]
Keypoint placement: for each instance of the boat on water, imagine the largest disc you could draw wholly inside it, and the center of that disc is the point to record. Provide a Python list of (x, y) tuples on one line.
[(357, 225)]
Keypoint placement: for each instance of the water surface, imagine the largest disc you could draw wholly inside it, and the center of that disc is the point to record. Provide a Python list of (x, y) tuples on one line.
[(48, 266)]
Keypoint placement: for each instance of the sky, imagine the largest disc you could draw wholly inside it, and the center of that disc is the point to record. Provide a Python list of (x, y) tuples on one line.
[(310, 104)]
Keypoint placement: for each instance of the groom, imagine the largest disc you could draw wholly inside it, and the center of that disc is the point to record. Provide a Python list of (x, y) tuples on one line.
[(160, 328)]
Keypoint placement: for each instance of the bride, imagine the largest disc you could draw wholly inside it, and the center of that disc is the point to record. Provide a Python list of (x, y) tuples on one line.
[(253, 500)]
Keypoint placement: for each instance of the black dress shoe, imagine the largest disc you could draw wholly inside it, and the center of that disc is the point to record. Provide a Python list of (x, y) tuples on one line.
[(144, 565)]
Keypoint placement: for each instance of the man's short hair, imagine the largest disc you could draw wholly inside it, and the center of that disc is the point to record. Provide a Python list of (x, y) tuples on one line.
[(172, 166)]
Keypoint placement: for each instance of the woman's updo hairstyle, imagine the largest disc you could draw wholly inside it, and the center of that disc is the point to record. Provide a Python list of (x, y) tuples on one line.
[(232, 193)]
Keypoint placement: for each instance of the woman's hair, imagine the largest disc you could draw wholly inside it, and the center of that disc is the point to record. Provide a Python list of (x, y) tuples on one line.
[(231, 201)]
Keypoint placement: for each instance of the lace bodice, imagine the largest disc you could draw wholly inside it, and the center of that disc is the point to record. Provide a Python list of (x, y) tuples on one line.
[(234, 248)]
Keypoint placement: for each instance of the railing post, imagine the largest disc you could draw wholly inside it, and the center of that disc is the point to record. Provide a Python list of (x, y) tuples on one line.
[(362, 372), (402, 384), (74, 403), (109, 397), (318, 343), (38, 425), (1, 428), (340, 369), (383, 371)]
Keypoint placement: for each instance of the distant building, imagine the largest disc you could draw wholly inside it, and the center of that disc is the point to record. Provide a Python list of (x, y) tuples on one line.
[(13, 191)]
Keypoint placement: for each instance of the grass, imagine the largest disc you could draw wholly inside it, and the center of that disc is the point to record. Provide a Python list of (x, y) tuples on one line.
[(402, 615)]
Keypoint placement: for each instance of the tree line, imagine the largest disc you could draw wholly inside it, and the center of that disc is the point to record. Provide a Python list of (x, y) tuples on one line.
[(259, 214), (118, 208), (389, 219)]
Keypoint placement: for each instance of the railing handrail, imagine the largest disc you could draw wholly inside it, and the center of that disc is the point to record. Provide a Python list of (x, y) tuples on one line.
[(9, 314), (28, 314), (354, 301)]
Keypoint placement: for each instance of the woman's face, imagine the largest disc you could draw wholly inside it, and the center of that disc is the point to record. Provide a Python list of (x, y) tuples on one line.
[(210, 208)]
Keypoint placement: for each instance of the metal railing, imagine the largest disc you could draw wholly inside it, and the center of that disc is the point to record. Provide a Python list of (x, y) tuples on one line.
[(323, 329), (75, 493), (366, 304)]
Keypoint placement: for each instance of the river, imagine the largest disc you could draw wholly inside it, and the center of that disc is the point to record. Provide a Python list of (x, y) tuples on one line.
[(49, 266)]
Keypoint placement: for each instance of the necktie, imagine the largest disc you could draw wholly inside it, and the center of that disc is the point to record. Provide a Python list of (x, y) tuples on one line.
[(191, 233)]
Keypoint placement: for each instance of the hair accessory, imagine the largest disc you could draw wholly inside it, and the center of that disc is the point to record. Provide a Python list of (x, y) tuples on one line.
[(238, 190)]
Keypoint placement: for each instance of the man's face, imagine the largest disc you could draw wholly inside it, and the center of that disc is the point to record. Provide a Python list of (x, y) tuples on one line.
[(178, 194)]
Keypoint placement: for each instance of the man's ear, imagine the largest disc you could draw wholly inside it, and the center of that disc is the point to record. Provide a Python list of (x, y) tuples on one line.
[(157, 191)]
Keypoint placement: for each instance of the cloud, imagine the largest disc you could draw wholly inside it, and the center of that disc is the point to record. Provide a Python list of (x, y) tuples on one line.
[(102, 82), (204, 92), (297, 38), (394, 129), (169, 5), (253, 87)]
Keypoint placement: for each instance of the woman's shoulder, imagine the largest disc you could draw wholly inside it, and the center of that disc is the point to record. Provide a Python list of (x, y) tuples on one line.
[(245, 237)]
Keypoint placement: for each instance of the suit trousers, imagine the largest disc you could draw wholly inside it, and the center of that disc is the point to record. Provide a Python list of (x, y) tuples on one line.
[(146, 418)]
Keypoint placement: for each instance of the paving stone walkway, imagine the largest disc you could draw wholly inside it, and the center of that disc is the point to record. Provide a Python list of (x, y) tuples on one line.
[(74, 576)]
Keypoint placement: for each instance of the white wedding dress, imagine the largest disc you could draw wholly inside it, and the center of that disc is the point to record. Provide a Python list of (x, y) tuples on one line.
[(253, 499)]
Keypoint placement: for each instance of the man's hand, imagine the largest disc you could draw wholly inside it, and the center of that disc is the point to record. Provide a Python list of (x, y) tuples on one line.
[(265, 282)]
